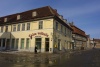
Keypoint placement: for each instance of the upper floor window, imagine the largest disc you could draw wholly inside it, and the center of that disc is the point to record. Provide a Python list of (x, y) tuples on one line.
[(18, 17), (56, 25), (14, 27), (23, 27), (61, 28), (65, 30), (28, 26), (6, 29), (18, 27), (34, 14), (2, 28), (40, 24), (5, 19)]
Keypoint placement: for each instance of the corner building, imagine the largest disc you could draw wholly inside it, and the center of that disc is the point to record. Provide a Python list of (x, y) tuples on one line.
[(42, 27)]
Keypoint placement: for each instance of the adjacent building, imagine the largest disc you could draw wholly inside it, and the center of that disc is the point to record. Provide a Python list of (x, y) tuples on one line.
[(96, 43), (79, 38), (42, 27)]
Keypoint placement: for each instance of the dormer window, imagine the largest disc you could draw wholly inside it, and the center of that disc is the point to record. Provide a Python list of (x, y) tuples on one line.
[(5, 19), (18, 17), (34, 14)]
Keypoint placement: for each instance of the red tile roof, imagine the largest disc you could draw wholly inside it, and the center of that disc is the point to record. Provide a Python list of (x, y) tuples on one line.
[(76, 30), (27, 15), (42, 12)]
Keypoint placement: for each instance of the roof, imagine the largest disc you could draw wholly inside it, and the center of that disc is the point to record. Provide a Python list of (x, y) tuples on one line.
[(77, 30), (27, 15), (42, 12)]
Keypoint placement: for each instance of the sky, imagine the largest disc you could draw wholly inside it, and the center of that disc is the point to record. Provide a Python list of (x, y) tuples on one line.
[(84, 13)]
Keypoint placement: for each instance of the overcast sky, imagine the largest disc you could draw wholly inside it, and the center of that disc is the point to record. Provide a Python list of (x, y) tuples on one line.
[(84, 13)]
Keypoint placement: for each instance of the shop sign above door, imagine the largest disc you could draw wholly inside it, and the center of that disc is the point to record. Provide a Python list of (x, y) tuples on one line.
[(38, 34)]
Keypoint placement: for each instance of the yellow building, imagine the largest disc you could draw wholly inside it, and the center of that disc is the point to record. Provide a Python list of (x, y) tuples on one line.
[(41, 27)]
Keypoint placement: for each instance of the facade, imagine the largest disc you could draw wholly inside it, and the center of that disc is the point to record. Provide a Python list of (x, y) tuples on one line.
[(79, 39), (41, 27), (96, 43)]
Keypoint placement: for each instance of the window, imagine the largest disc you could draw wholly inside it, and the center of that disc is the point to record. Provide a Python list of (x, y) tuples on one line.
[(18, 17), (27, 43), (14, 27), (13, 43), (3, 43), (18, 27), (6, 29), (22, 43), (23, 27), (56, 25), (38, 43), (34, 14), (61, 28), (5, 19), (65, 30), (40, 24), (0, 42), (28, 26), (2, 28), (17, 41)]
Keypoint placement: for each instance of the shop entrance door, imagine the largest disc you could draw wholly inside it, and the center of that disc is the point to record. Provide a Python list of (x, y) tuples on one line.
[(46, 44), (38, 44)]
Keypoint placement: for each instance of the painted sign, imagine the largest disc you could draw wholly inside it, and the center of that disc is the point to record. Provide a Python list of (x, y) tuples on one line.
[(38, 34)]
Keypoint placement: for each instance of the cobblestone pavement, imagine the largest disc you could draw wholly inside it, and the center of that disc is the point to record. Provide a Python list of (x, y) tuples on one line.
[(87, 58)]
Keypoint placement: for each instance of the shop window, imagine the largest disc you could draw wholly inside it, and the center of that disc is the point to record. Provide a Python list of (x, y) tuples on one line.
[(22, 43), (27, 43), (3, 43), (0, 42), (13, 43), (17, 41), (38, 43)]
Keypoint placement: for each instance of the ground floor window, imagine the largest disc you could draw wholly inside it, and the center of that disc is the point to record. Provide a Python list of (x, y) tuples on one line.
[(7, 44), (0, 42), (3, 43), (47, 44), (38, 43), (17, 42), (13, 43), (27, 43), (22, 43)]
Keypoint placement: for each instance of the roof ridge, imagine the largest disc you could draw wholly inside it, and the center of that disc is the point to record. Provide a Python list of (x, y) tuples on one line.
[(51, 10)]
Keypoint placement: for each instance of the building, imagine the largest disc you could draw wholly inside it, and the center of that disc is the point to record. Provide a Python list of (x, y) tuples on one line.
[(96, 43), (79, 38), (42, 27)]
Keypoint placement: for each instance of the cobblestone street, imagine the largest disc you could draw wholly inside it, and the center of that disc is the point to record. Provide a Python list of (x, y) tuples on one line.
[(87, 58)]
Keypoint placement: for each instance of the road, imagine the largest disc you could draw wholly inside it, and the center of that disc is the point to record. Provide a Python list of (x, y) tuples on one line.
[(86, 58)]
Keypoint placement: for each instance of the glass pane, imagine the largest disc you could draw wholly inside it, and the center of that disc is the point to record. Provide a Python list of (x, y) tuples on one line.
[(13, 42), (0, 42), (22, 43), (17, 41), (27, 43), (46, 39), (38, 39)]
